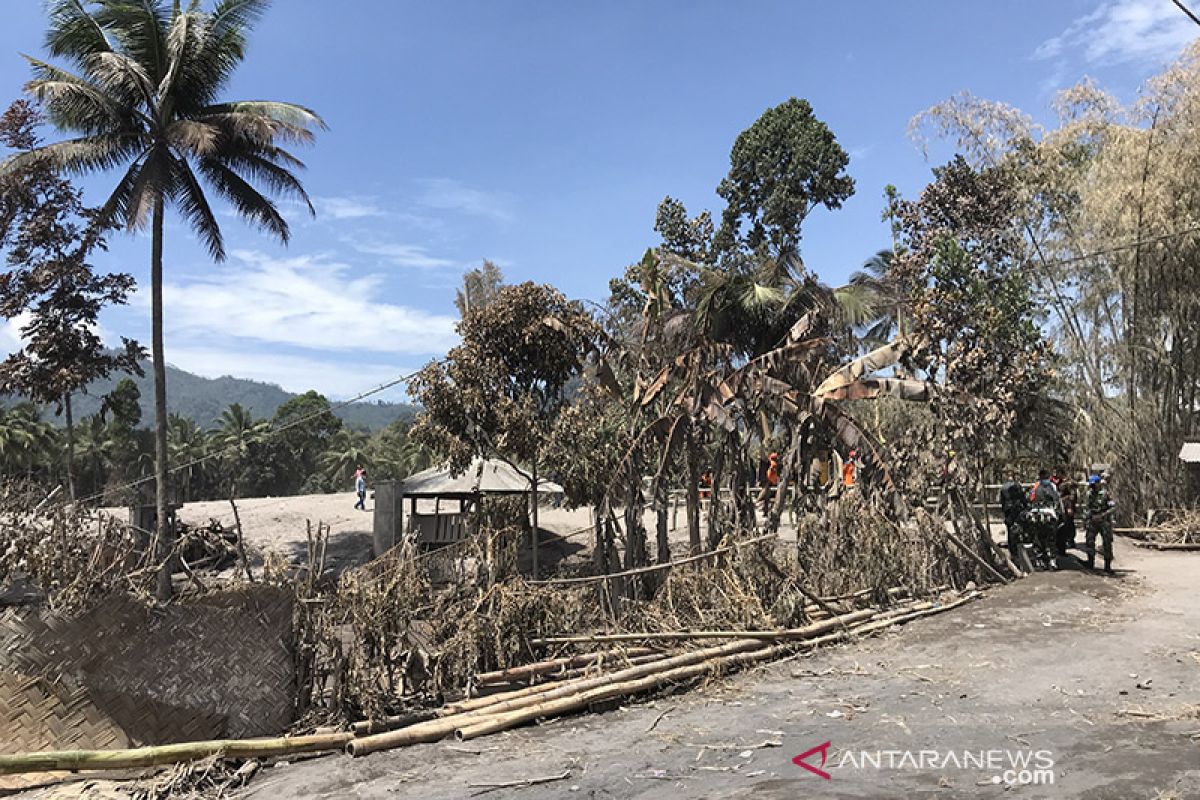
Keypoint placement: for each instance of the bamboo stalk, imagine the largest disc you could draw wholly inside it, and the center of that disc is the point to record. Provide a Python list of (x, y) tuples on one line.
[(782, 633), (494, 723), (369, 726), (527, 671), (436, 729), (1176, 546), (56, 760)]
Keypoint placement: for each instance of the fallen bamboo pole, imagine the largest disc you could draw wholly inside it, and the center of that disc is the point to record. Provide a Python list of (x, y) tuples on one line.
[(436, 729), (57, 760), (440, 728), (782, 633), (661, 655), (978, 559), (654, 568), (1176, 546), (494, 723), (391, 723), (527, 671)]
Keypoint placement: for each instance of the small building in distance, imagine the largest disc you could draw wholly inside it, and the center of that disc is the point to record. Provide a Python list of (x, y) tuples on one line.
[(439, 502)]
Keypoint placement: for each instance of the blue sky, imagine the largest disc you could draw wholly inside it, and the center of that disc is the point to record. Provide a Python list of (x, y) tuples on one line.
[(542, 135)]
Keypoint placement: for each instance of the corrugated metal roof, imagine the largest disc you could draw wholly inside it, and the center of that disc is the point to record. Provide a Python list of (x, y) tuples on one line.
[(1190, 452), (490, 476)]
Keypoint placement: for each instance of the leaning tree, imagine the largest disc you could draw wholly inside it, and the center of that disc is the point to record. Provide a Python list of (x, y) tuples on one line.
[(142, 93)]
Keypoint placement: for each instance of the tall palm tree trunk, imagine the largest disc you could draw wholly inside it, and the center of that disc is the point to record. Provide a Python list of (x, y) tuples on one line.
[(164, 534), (70, 446)]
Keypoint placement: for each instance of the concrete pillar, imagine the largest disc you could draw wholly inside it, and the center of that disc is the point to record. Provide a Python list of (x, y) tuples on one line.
[(388, 515)]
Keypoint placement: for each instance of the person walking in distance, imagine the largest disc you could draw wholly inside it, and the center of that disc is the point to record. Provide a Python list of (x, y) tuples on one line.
[(360, 486), (1099, 521)]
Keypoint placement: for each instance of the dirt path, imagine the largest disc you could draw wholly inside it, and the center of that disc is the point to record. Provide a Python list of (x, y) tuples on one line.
[(1052, 663)]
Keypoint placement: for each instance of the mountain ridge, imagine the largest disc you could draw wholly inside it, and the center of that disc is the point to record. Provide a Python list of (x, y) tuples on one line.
[(202, 400)]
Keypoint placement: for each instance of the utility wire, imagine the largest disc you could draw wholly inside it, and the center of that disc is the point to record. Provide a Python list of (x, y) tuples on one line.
[(1187, 11), (1128, 246)]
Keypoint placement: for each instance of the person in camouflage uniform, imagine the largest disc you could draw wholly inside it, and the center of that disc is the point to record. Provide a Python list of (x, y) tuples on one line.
[(1014, 503), (1099, 521), (1045, 512)]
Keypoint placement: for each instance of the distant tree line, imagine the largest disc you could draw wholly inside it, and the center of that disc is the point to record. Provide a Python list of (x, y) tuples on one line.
[(303, 448)]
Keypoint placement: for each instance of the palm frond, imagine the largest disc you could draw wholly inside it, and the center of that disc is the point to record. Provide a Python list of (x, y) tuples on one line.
[(120, 203), (73, 33), (757, 297), (856, 304), (139, 27), (262, 169), (152, 184), (73, 103), (190, 199), (122, 77), (190, 136), (179, 38), (245, 198), (83, 155), (289, 121)]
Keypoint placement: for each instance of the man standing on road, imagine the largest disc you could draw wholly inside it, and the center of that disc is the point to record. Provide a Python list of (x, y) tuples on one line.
[(1045, 511), (360, 486), (1099, 520), (1013, 503)]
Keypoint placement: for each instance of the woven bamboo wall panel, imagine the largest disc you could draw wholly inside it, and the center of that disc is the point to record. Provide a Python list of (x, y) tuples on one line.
[(121, 674)]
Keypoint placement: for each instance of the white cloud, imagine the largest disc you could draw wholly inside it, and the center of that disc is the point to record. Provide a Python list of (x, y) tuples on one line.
[(333, 377), (11, 339), (1122, 31), (348, 207), (310, 302), (403, 255), (447, 194)]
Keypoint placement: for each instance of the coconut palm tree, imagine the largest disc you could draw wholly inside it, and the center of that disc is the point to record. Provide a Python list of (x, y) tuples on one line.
[(238, 428), (885, 298), (347, 450), (144, 97), (25, 440), (187, 444)]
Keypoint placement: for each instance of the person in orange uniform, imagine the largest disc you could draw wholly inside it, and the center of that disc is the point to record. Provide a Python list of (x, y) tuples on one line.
[(850, 470)]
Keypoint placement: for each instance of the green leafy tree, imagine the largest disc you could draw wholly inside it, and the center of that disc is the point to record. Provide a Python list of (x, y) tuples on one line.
[(145, 96), (782, 167), (306, 426), (498, 392), (48, 235)]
